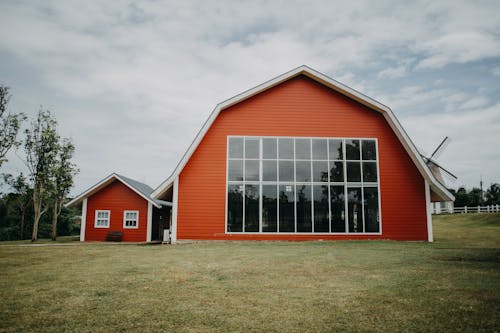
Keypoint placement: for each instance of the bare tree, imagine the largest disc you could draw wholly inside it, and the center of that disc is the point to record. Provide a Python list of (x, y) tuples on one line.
[(41, 147)]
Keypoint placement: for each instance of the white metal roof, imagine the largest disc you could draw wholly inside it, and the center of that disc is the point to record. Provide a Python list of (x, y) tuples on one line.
[(405, 140)]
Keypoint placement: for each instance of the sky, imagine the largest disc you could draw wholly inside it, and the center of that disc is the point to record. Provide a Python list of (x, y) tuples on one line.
[(131, 83)]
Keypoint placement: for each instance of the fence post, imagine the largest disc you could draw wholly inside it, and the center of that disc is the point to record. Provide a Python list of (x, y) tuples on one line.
[(497, 208), (488, 208), (465, 209)]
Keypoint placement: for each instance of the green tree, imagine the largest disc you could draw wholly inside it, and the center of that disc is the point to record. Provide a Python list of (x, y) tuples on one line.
[(461, 197), (9, 125), (41, 147), (493, 194), (62, 175), (23, 198)]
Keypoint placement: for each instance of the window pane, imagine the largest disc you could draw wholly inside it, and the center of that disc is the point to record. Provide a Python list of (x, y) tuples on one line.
[(303, 149), (269, 148), (369, 171), (320, 171), (236, 147), (352, 149), (336, 171), (320, 208), (234, 208), (371, 209), (338, 208), (235, 170), (252, 208), (286, 208), (354, 209), (269, 170), (269, 208), (335, 149), (286, 171), (251, 170), (251, 148), (319, 149), (369, 151), (304, 217), (353, 172), (285, 148), (303, 171)]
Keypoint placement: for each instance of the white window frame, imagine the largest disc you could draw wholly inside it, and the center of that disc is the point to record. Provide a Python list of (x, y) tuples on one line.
[(361, 184), (108, 218), (125, 219)]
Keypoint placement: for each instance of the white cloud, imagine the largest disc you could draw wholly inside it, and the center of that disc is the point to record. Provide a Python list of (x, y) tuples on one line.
[(134, 82)]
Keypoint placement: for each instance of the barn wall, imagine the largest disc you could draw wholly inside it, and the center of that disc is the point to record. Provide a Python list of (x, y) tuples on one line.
[(117, 198), (299, 107)]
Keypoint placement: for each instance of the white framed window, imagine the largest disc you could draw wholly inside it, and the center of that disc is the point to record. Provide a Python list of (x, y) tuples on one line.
[(131, 219), (102, 218), (302, 185)]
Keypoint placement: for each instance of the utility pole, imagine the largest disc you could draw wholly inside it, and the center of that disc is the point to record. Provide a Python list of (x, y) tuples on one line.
[(481, 199)]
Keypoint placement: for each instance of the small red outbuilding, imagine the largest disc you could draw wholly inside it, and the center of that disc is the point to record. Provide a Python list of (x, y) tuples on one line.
[(300, 157), (118, 205)]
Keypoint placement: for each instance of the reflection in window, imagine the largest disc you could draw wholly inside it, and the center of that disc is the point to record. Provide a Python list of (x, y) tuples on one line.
[(235, 147), (251, 148), (319, 149), (303, 171), (269, 170), (338, 208), (235, 170), (234, 208), (370, 172), (285, 148), (336, 171), (286, 171), (302, 185), (369, 150), (352, 149), (354, 209), (320, 171), (302, 149), (269, 148), (335, 149), (286, 208), (320, 208), (251, 208), (304, 217), (269, 208), (353, 172), (371, 209), (251, 170)]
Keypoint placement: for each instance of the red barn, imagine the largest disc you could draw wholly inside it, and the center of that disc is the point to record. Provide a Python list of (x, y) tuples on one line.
[(118, 204), (300, 157)]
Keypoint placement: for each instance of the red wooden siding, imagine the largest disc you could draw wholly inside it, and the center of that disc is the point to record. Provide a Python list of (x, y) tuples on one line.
[(116, 198), (299, 107)]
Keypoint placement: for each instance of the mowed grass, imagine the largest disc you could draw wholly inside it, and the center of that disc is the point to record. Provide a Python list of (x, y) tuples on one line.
[(386, 286)]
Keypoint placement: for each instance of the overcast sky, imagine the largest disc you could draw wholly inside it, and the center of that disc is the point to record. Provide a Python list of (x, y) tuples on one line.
[(132, 83)]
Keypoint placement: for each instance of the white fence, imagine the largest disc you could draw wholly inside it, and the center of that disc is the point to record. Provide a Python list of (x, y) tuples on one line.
[(449, 209), (477, 209)]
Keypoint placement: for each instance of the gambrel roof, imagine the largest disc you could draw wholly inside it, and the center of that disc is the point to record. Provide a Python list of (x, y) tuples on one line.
[(438, 188)]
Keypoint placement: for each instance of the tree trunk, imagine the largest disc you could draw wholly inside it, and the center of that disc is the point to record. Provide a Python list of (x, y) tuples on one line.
[(21, 232), (37, 213), (54, 220)]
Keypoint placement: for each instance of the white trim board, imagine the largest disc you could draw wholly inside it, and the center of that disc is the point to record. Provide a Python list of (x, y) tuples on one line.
[(403, 137), (102, 184)]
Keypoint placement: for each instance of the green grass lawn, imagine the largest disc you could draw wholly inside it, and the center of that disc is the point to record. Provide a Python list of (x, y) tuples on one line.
[(450, 285)]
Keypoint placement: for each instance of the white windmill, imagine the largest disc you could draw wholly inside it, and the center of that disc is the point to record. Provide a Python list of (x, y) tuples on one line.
[(437, 170)]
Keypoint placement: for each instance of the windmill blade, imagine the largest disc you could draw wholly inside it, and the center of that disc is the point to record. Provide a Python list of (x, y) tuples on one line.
[(450, 176), (441, 147)]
